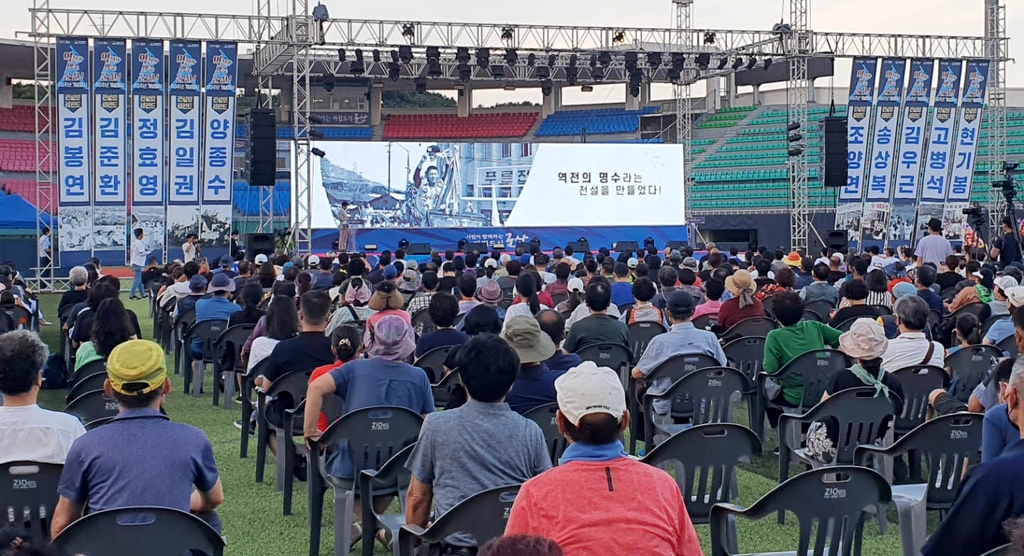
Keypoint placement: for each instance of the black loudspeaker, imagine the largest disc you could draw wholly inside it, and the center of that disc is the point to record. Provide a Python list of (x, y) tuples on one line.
[(262, 148), (621, 246), (838, 240), (471, 246), (418, 249), (675, 245), (835, 152), (579, 246), (257, 244)]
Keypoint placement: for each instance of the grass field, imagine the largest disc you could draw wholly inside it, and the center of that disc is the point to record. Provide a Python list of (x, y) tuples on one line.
[(253, 523)]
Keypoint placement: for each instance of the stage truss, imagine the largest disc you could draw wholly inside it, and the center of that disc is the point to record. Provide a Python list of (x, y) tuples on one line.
[(294, 46)]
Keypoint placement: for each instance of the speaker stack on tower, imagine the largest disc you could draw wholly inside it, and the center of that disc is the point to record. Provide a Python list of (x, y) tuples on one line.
[(262, 148), (835, 151)]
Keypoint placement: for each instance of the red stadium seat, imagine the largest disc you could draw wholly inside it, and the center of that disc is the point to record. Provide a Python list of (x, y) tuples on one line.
[(451, 126), (18, 118), (19, 155)]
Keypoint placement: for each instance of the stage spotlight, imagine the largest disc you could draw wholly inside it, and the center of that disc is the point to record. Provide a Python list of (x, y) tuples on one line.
[(606, 59), (462, 55), (631, 59), (587, 88), (376, 56), (483, 58), (546, 87), (394, 56), (552, 60), (405, 53), (597, 74), (593, 60), (709, 38), (767, 63), (634, 90), (498, 71), (673, 75), (403, 243), (751, 62), (703, 60), (409, 30), (316, 134), (394, 71), (619, 37), (571, 74), (317, 152), (531, 60), (508, 33), (511, 57), (357, 67), (328, 81), (465, 73), (722, 62), (509, 86), (678, 62), (433, 54), (737, 63), (314, 119), (434, 70), (341, 55), (542, 72), (793, 126), (654, 59), (421, 85)]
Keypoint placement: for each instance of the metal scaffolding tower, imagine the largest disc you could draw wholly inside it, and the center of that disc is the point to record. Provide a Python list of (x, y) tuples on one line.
[(996, 50), (684, 103), (798, 53)]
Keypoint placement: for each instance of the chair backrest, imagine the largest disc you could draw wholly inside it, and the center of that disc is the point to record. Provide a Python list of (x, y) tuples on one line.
[(557, 298), (710, 389), (374, 435), (980, 310), (231, 341), (641, 334), (746, 354), (948, 294), (860, 414), (91, 406), (754, 326), (830, 500), (7, 323), (21, 316), (89, 369), (613, 356), (293, 384), (140, 530), (64, 313), (432, 362), (846, 324), (678, 366), (970, 366), (183, 322), (822, 309), (947, 442), (28, 495), (623, 307), (769, 306), (882, 310), (422, 323), (86, 384), (443, 389), (207, 331), (816, 368), (1009, 345), (483, 515), (918, 383), (705, 321), (705, 459), (544, 416)]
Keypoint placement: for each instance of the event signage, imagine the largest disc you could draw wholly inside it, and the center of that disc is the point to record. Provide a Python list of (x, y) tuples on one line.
[(890, 96), (218, 142), (968, 130), (185, 129), (938, 161), (74, 169), (110, 214), (913, 132), (858, 115), (149, 176)]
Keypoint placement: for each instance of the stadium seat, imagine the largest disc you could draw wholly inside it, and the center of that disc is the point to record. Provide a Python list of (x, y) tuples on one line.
[(604, 121), (18, 118), (451, 126)]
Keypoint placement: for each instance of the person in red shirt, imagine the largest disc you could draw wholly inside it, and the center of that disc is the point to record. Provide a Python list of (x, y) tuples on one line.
[(347, 344), (744, 304), (598, 501)]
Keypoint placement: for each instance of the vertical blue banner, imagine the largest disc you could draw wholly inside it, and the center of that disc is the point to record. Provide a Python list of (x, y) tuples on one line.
[(912, 135), (149, 176), (74, 169), (862, 96), (110, 213), (890, 97), (220, 70), (185, 131), (968, 131), (940, 145)]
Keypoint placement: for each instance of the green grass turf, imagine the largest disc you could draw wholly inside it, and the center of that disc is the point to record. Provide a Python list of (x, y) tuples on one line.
[(253, 523)]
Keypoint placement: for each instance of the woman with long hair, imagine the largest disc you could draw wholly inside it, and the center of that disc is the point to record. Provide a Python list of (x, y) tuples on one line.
[(250, 298), (280, 323), (111, 327), (266, 275), (303, 283), (527, 289), (968, 332), (878, 289)]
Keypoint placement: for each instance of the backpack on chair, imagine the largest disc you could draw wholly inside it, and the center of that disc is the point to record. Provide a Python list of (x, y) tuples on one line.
[(55, 373)]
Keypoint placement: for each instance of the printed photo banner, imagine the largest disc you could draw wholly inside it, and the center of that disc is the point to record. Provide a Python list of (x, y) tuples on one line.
[(858, 114), (912, 134), (890, 96), (74, 169), (220, 70), (185, 128), (149, 183), (110, 215), (940, 145), (968, 130)]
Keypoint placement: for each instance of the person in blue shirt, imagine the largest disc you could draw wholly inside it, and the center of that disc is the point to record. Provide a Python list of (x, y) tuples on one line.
[(225, 267), (992, 493), (535, 383), (553, 324), (622, 287), (218, 306), (925, 278)]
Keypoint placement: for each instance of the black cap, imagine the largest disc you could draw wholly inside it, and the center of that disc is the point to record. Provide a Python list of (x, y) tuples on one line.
[(679, 300), (935, 224)]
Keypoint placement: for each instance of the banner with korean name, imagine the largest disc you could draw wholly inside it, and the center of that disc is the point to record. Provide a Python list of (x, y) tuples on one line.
[(218, 144), (149, 177), (858, 116), (940, 145), (110, 208), (968, 130), (74, 169), (185, 131), (890, 96), (912, 135)]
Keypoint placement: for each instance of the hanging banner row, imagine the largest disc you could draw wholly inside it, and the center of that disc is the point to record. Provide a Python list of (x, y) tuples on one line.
[(180, 146)]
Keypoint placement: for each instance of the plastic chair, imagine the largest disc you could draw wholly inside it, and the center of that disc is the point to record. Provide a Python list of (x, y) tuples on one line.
[(544, 416), (882, 310), (374, 435), (1005, 550), (89, 369), (482, 515), (710, 394), (91, 406), (28, 495), (181, 324), (625, 307), (248, 386), (833, 499), (822, 309), (947, 443), (1008, 345), (390, 477), (672, 369), (443, 390), (293, 385), (228, 348), (423, 324), (747, 355), (705, 322), (140, 530), (705, 458), (432, 362), (754, 326), (206, 331), (970, 366), (918, 382), (614, 356), (641, 334), (985, 326), (88, 384), (846, 324), (815, 369)]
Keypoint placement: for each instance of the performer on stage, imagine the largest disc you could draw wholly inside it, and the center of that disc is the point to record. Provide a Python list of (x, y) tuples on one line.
[(347, 238), (137, 257), (190, 249)]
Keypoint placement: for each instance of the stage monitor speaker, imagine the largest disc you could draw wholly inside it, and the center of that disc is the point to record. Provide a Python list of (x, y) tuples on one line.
[(472, 246), (262, 148), (838, 240), (621, 246), (675, 245), (418, 249), (835, 152), (579, 246), (257, 244)]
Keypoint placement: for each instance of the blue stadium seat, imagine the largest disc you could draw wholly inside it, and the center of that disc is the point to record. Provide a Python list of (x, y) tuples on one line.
[(604, 121)]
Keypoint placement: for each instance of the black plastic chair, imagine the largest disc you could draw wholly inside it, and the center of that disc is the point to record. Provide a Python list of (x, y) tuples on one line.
[(391, 477), (985, 326), (754, 326), (91, 406), (140, 530), (918, 382), (90, 383), (7, 323), (21, 316), (624, 307), (227, 348), (28, 495), (97, 423), (747, 355), (374, 435), (423, 324), (981, 310), (705, 459), (482, 515), (248, 387), (207, 332), (288, 390), (641, 334), (432, 362), (164, 328), (557, 298), (769, 306), (831, 500), (948, 294), (970, 366), (544, 416), (821, 309), (882, 310), (815, 369), (671, 370), (705, 322), (846, 324), (89, 369), (62, 318), (1009, 345), (443, 390), (947, 443), (613, 356), (709, 394), (1005, 550), (181, 325)]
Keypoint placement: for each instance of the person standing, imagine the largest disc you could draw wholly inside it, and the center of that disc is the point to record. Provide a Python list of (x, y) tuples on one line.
[(137, 258), (347, 239), (1006, 249), (235, 248), (190, 249), (45, 252), (933, 248)]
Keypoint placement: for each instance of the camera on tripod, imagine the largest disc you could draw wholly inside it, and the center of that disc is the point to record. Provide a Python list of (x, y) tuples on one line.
[(1006, 184)]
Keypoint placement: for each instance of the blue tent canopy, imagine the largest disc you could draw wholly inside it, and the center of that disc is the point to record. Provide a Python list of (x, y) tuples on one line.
[(18, 214)]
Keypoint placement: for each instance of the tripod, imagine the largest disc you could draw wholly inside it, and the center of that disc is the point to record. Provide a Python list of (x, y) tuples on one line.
[(1009, 193)]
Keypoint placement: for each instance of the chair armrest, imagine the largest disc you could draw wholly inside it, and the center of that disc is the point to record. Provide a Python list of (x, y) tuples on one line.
[(863, 452), (406, 535), (299, 409)]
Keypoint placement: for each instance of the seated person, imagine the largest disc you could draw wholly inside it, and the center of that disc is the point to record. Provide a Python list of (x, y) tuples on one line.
[(28, 432), (535, 383), (856, 304), (622, 287), (140, 458), (1002, 329), (467, 294), (784, 344), (643, 310), (986, 395), (820, 290), (110, 328), (481, 445), (912, 347), (999, 434), (354, 308), (347, 343), (218, 306), (443, 311), (553, 324), (713, 291), (600, 327), (197, 290), (631, 508), (743, 305), (968, 332), (387, 300)]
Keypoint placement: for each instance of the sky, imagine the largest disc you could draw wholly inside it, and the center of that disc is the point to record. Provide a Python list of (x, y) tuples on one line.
[(922, 17)]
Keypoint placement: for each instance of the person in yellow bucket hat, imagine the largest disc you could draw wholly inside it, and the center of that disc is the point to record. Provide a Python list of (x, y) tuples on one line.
[(113, 466)]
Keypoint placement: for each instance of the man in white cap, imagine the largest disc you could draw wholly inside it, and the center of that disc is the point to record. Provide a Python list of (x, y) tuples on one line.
[(1014, 299), (999, 305), (631, 507)]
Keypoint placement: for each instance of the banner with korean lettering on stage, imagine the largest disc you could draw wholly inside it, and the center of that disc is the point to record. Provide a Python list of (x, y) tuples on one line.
[(910, 150), (149, 178), (184, 130), (968, 131), (218, 145), (940, 145), (74, 170), (883, 146), (858, 114), (110, 207)]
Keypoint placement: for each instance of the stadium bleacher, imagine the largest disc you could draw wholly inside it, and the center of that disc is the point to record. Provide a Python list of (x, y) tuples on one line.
[(18, 118), (600, 121), (451, 126), (17, 155), (357, 133)]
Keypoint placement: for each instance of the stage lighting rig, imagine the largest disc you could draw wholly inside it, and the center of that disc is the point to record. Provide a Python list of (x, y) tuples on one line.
[(709, 38), (737, 63), (434, 70), (619, 37), (409, 31), (794, 137), (631, 59), (394, 71), (703, 60), (767, 63), (572, 74), (606, 59), (546, 87), (552, 60), (508, 33), (751, 62), (394, 56), (722, 62), (462, 55), (511, 57), (421, 85), (498, 71), (542, 72), (465, 73), (405, 53), (328, 80), (597, 74), (483, 58), (593, 61), (531, 60), (316, 134), (433, 54), (376, 56), (341, 55), (587, 88), (317, 152), (654, 59)]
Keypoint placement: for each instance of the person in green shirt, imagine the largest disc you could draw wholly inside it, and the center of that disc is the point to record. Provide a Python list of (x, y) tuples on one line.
[(794, 338)]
